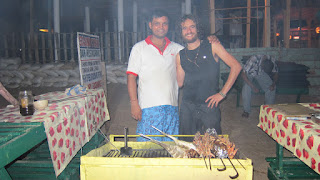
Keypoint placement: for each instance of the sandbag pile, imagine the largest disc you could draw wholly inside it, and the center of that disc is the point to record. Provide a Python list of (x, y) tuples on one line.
[(13, 74), (117, 74)]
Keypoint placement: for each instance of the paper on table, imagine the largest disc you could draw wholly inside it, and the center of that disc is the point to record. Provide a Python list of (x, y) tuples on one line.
[(294, 110)]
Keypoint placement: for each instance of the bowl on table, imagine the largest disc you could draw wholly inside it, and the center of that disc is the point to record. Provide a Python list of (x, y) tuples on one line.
[(40, 104)]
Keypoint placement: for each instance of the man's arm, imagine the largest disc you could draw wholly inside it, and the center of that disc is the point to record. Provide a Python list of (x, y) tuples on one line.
[(275, 80), (180, 71), (235, 68), (8, 96), (234, 65), (246, 79), (132, 90)]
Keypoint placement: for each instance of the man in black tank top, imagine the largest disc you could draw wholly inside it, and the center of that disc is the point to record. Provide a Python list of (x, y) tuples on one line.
[(198, 71)]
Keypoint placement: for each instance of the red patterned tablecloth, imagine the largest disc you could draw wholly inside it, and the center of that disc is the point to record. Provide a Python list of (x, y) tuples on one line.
[(301, 137), (69, 121)]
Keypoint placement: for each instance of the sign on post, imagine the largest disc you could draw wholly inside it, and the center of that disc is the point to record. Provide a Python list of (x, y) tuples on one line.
[(89, 60)]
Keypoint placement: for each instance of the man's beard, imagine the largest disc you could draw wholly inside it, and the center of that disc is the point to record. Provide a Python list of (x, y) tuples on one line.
[(190, 40)]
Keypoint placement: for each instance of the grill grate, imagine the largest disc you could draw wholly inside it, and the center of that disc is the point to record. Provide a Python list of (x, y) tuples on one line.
[(145, 153)]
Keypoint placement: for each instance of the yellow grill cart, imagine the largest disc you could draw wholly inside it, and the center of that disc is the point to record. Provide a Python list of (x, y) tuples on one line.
[(106, 163)]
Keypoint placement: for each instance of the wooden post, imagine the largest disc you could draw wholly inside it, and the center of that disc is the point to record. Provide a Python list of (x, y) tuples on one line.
[(212, 17), (36, 48), (101, 39), (6, 49), (23, 48), (31, 17), (50, 46), (266, 25), (13, 45), (115, 47), (43, 44), (57, 46), (121, 46), (134, 37), (65, 52), (248, 24), (72, 48), (286, 23), (108, 47), (30, 48), (31, 44), (275, 27), (127, 46), (139, 36), (104, 77)]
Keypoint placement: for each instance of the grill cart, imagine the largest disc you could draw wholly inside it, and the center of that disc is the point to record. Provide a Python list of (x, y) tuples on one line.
[(151, 161)]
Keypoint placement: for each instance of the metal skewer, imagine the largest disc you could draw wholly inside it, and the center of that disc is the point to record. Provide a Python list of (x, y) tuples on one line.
[(204, 158), (235, 176), (224, 168), (241, 164), (107, 139)]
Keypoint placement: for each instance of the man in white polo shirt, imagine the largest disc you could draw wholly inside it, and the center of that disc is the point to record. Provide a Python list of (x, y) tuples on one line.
[(155, 101)]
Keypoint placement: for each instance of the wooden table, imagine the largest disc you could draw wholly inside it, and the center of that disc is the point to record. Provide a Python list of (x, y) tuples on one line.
[(292, 126), (16, 139), (68, 123)]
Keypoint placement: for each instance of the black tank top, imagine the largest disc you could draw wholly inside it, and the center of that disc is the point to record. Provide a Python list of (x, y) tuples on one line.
[(201, 75)]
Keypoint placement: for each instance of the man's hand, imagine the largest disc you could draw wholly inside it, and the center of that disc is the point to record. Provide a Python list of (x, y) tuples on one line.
[(272, 87), (255, 89), (213, 39), (214, 100), (136, 110)]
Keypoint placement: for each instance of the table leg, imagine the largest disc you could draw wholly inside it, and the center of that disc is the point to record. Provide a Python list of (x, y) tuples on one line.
[(4, 174), (298, 98), (279, 152)]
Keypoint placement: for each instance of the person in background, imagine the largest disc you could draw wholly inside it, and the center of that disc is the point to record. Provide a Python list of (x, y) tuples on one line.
[(198, 72), (264, 70), (154, 101)]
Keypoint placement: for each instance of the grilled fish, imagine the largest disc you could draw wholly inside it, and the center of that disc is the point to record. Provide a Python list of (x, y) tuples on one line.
[(183, 144), (174, 150)]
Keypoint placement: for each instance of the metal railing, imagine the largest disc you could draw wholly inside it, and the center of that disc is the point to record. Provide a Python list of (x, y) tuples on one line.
[(62, 47), (42, 48)]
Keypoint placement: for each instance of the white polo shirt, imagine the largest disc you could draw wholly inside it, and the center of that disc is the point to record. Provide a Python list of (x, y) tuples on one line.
[(156, 71)]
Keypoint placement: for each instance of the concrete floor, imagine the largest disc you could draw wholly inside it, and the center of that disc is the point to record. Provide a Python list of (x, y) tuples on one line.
[(251, 140)]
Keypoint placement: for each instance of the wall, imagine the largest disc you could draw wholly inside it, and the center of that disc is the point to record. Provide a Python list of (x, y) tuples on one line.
[(14, 74)]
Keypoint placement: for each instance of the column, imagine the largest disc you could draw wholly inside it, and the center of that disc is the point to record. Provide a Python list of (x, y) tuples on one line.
[(120, 26), (86, 19), (56, 27), (266, 25)]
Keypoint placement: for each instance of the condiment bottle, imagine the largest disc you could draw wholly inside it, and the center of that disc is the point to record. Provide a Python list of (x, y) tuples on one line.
[(26, 103)]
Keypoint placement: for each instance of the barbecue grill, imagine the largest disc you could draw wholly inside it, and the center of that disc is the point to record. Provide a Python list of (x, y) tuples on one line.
[(151, 161)]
